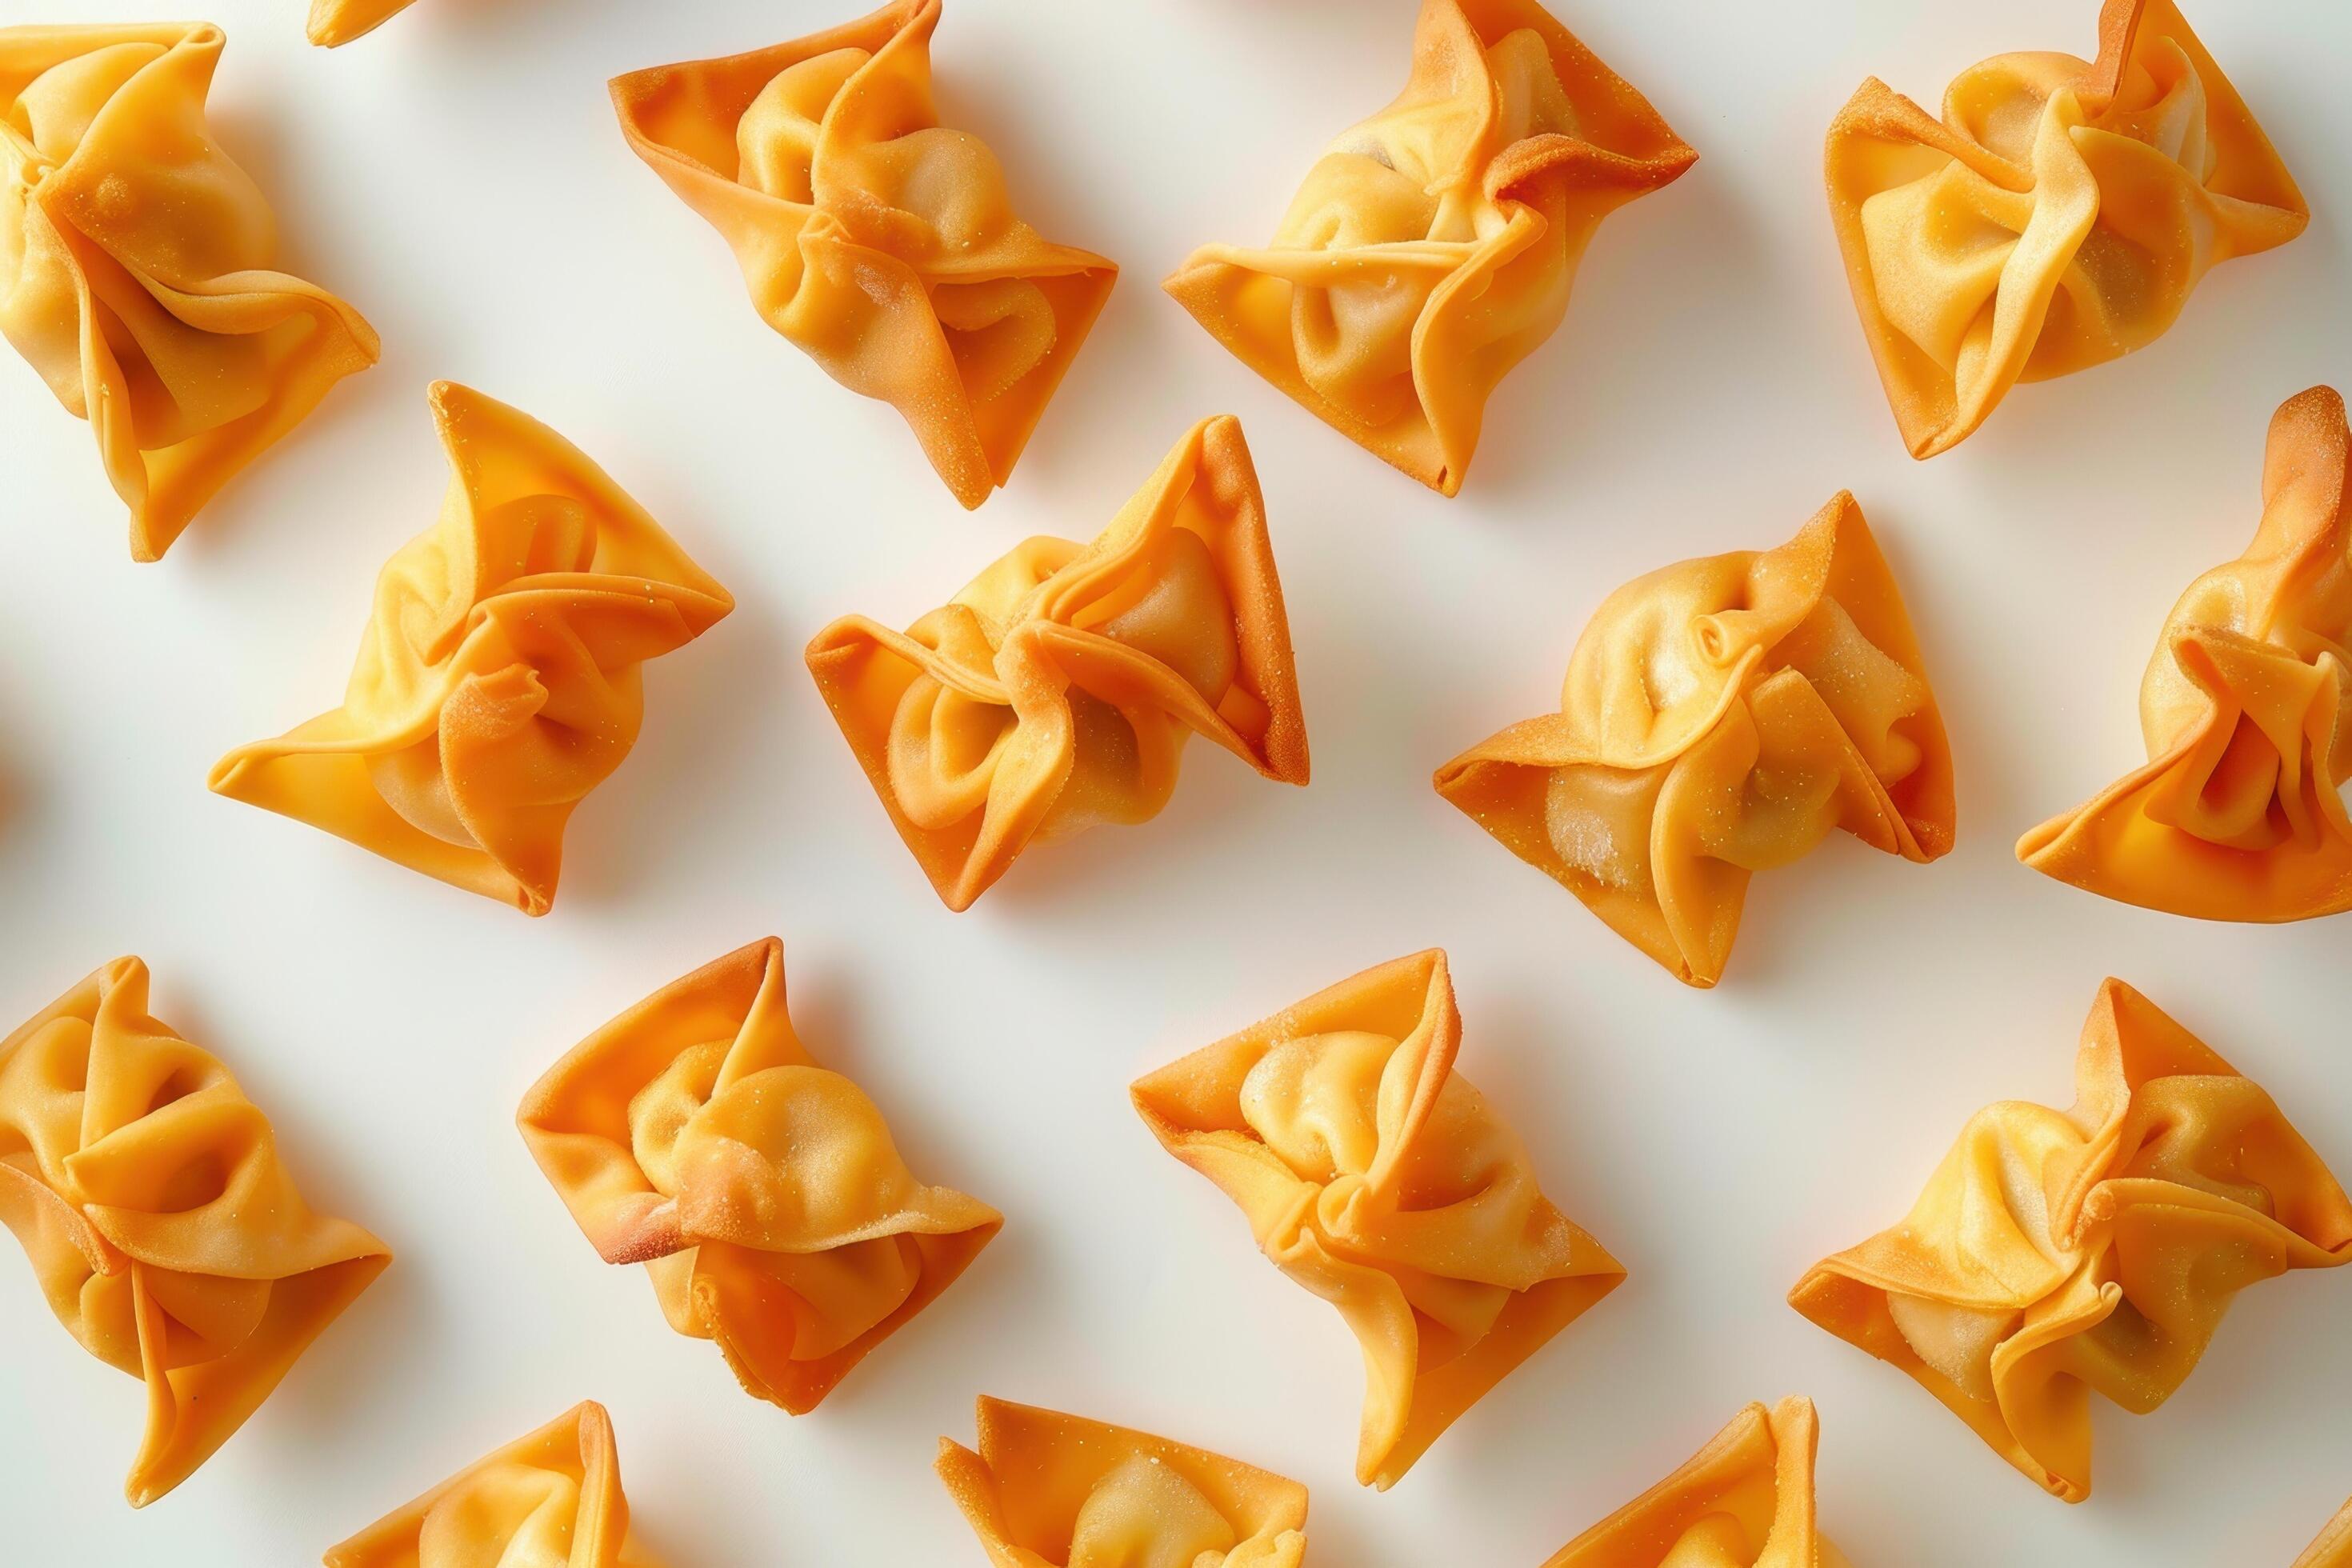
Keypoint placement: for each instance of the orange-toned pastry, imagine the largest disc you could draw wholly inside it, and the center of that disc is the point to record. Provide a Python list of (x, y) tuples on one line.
[(2334, 1547), (1432, 247), (2057, 217), (549, 1500), (879, 241), (135, 267), (498, 681), (1056, 691), (1385, 1184), (334, 22), (2055, 1255), (2238, 815), (1745, 1500), (1720, 717), (693, 1134), (1050, 1491), (164, 1230)]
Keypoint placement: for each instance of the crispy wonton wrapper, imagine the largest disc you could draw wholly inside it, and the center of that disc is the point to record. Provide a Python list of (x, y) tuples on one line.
[(136, 267), (879, 241), (763, 1194), (166, 1233), (1058, 689), (498, 681), (549, 1500), (1721, 717), (2055, 1255), (2057, 217), (2240, 814), (1375, 1176), (1745, 1500), (1050, 1491)]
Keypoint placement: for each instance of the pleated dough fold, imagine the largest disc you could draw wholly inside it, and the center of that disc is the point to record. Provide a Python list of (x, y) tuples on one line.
[(136, 267), (2057, 216), (2055, 1255), (1050, 1491), (2239, 813), (1056, 691), (1721, 717), (695, 1135), (499, 679), (1377, 1177), (551, 1500), (880, 242), (1433, 246), (1745, 1500), (167, 1235)]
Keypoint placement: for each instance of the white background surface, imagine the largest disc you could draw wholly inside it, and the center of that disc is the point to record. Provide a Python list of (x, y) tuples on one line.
[(459, 177)]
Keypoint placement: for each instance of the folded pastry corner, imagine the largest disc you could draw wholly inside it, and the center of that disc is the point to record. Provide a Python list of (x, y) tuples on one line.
[(1056, 691), (137, 268), (2239, 813), (881, 243), (2334, 1547), (1720, 717), (1745, 1500), (166, 1233), (1433, 246), (499, 677), (764, 1195), (334, 23), (552, 1498), (2057, 216), (2056, 1254), (1380, 1179), (1050, 1491)]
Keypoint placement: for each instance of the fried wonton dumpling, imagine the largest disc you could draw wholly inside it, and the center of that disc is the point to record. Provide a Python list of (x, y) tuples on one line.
[(334, 22), (2059, 1254), (166, 1233), (549, 1500), (879, 241), (1432, 247), (1720, 717), (1378, 1178), (1056, 691), (2240, 814), (136, 267), (695, 1135), (1050, 1491), (1745, 1500), (2334, 1547), (498, 681), (2057, 217)]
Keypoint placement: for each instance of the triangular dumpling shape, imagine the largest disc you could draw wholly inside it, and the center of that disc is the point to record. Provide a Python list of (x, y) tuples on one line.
[(1377, 1177), (2056, 1254), (1050, 1491), (2058, 216), (693, 1134), (164, 1229), (136, 267), (2240, 814), (498, 681), (1058, 689), (1721, 717), (1745, 1500), (1433, 246), (549, 1500), (880, 242)]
